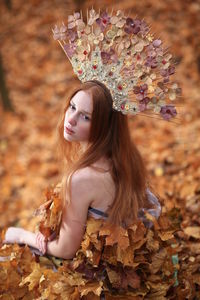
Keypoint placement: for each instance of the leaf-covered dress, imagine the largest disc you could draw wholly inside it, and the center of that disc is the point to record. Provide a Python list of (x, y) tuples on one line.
[(111, 263)]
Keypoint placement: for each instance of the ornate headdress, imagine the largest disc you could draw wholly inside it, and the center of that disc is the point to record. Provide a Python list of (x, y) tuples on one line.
[(121, 52)]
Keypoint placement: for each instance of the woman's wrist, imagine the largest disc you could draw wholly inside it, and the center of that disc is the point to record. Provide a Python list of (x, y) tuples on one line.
[(22, 236), (27, 237)]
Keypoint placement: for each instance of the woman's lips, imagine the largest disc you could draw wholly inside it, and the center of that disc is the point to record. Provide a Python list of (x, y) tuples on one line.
[(69, 131)]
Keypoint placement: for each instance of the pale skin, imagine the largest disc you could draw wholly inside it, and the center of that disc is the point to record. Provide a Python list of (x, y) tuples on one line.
[(88, 188)]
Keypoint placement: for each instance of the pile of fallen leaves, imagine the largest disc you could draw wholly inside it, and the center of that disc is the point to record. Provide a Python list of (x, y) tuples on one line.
[(112, 262)]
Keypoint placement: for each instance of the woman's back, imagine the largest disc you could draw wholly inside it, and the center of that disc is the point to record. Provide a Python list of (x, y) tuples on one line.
[(103, 187)]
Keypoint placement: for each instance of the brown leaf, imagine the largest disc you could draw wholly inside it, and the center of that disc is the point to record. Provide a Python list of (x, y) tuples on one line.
[(159, 292), (193, 231), (93, 225), (132, 279), (114, 277), (158, 260), (115, 234), (34, 278), (152, 244), (94, 287), (166, 235), (110, 254), (137, 232), (126, 257)]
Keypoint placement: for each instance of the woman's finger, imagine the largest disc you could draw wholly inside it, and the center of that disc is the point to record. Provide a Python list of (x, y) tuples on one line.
[(52, 236), (45, 247), (43, 244), (40, 242)]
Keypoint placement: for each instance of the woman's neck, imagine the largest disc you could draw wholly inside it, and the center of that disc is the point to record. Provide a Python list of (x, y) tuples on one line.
[(84, 146), (103, 163)]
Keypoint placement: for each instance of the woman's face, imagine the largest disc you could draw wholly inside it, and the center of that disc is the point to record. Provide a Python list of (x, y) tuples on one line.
[(77, 121)]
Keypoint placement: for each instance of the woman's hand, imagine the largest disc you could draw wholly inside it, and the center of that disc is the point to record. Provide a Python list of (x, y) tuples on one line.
[(22, 236), (41, 242), (13, 235)]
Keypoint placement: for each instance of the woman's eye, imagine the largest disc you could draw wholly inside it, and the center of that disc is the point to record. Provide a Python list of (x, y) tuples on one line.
[(72, 106), (85, 117)]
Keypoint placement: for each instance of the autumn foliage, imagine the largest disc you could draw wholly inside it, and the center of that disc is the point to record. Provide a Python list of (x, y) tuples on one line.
[(158, 263), (135, 261)]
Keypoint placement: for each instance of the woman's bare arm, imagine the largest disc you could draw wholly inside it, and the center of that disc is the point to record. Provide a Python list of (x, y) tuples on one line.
[(74, 217), (73, 222)]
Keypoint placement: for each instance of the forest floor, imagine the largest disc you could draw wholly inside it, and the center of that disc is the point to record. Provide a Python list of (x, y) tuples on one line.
[(39, 78)]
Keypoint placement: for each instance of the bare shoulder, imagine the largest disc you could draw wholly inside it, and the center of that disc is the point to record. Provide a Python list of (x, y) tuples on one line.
[(95, 184), (82, 176), (88, 175), (88, 182), (82, 184), (80, 198)]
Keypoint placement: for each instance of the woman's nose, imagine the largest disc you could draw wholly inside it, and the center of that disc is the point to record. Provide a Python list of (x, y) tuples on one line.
[(72, 120)]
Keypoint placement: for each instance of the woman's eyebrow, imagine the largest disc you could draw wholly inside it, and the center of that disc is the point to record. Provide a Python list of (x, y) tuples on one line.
[(86, 112)]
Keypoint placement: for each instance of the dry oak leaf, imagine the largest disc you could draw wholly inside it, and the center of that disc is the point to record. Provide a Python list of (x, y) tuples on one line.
[(56, 209), (138, 244), (94, 287), (164, 222), (136, 232), (33, 278), (153, 220), (50, 213), (196, 278), (96, 258), (91, 296), (93, 256), (85, 243), (92, 239), (166, 235), (131, 279), (193, 204), (64, 290), (157, 261), (9, 276), (59, 283), (7, 249), (72, 279), (114, 277), (110, 254), (123, 297), (184, 291), (194, 247), (188, 189), (115, 234), (126, 257), (159, 293), (193, 231), (93, 225), (152, 244)]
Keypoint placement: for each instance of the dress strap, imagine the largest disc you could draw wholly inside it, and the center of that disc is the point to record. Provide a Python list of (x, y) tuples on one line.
[(97, 212)]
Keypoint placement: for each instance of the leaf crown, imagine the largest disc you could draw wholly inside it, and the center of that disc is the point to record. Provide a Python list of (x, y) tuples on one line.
[(122, 53)]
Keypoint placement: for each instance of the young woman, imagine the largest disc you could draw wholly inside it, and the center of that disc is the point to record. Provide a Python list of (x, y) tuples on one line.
[(106, 176)]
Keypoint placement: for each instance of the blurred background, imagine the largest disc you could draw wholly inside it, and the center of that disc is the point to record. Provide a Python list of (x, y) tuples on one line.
[(35, 77)]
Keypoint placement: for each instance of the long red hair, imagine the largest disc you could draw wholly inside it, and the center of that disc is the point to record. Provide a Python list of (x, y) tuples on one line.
[(109, 137)]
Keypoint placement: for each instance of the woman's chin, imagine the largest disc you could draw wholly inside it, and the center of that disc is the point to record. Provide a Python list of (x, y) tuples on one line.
[(68, 137)]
